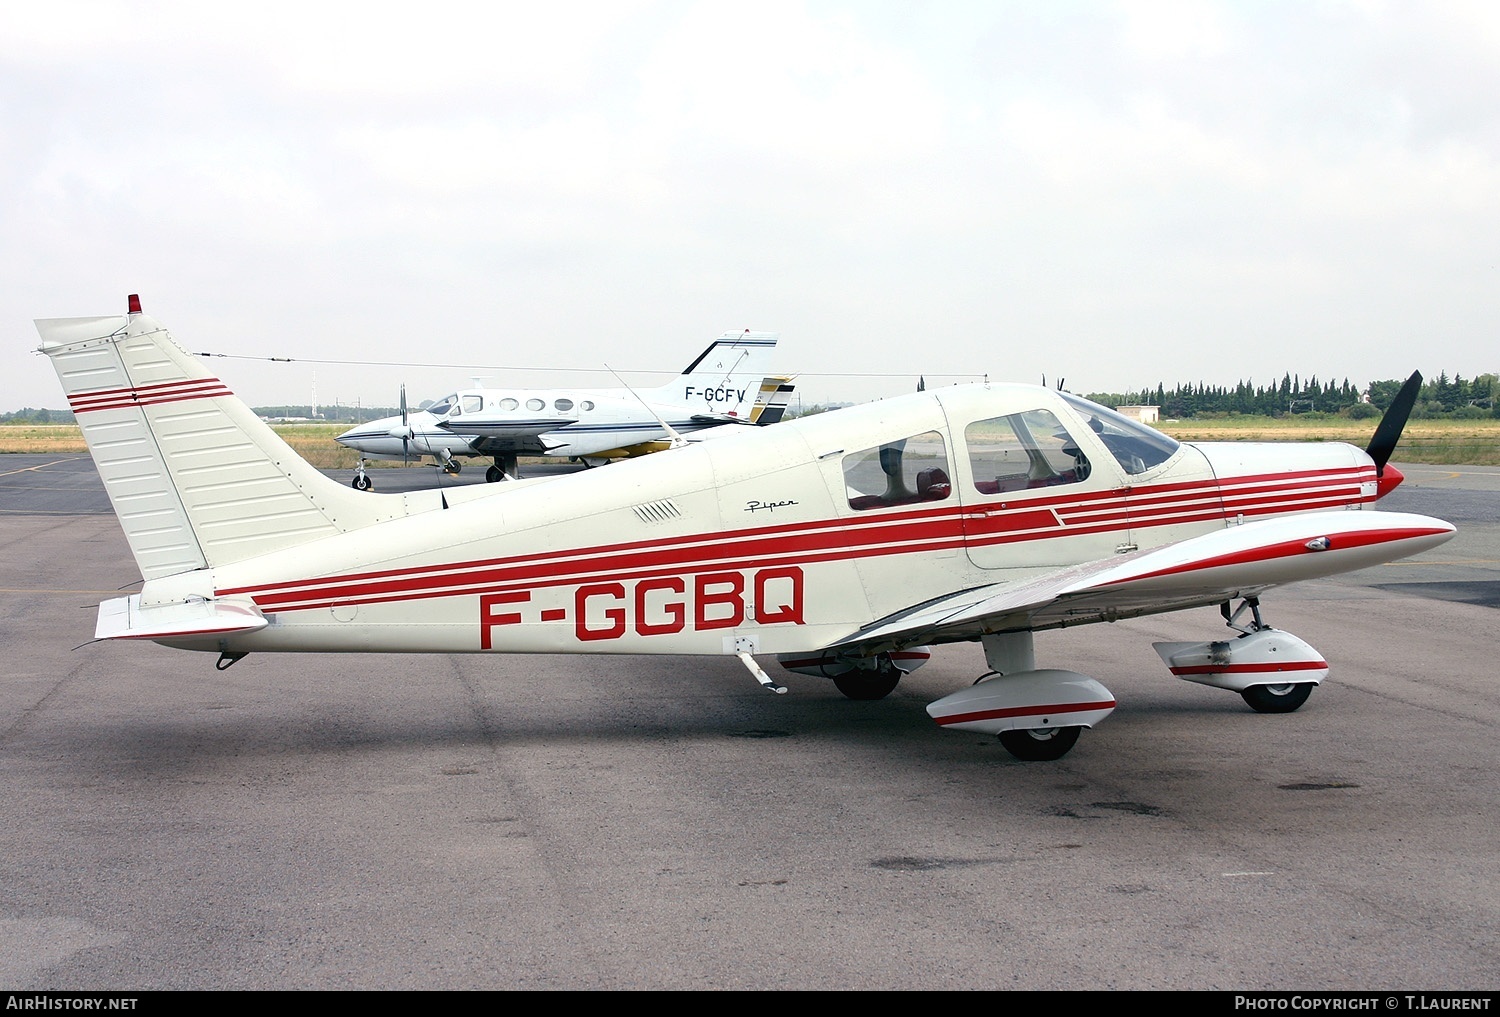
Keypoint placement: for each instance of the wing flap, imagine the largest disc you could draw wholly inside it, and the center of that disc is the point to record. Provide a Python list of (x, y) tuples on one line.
[(1238, 561)]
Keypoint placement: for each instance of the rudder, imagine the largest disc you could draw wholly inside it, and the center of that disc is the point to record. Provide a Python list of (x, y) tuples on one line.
[(726, 378)]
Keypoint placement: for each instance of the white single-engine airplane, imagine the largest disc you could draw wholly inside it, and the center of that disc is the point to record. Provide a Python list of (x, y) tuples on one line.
[(727, 384), (843, 543)]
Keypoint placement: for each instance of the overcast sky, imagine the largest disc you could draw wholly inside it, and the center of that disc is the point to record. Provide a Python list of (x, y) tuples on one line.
[(1113, 193)]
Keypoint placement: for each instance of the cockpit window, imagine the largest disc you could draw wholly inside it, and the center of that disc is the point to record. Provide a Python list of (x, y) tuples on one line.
[(902, 472), (442, 406), (1137, 447), (1021, 451)]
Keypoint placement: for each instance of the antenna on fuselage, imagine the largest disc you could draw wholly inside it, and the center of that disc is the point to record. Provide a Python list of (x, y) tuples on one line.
[(677, 440)]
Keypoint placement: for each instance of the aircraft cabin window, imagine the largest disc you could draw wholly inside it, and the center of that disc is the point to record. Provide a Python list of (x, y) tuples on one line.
[(563, 405), (1137, 447), (586, 405), (905, 472), (1022, 451), (507, 404), (535, 404), (472, 403)]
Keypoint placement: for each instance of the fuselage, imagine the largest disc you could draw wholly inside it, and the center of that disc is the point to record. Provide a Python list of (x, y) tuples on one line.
[(777, 539), (562, 422)]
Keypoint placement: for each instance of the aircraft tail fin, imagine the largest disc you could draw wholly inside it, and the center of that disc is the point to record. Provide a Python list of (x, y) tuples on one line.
[(771, 404), (726, 378), (195, 477)]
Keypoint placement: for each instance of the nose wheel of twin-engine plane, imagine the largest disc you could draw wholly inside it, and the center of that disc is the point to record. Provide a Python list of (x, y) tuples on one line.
[(362, 481), (1035, 745), (1277, 698)]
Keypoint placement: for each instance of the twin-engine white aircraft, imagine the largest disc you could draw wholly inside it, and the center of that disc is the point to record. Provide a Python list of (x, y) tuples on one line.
[(844, 543), (727, 384)]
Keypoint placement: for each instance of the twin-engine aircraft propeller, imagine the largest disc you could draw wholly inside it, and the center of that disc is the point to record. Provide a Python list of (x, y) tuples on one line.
[(406, 433), (404, 430)]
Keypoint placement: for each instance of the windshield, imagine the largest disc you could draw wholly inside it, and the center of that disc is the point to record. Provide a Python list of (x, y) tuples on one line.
[(1137, 447), (442, 406)]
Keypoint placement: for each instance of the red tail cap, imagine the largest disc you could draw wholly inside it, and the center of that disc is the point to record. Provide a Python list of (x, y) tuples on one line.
[(135, 303)]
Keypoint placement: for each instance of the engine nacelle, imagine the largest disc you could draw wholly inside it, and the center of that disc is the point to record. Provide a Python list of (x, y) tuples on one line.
[(1263, 657), (1026, 700), (824, 664)]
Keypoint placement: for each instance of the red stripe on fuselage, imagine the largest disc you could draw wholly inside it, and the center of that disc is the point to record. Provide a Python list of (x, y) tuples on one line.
[(871, 535)]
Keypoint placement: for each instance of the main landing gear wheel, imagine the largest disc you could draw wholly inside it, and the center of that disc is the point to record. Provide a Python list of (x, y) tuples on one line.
[(1035, 745), (869, 685), (1277, 698), (493, 475), (362, 483)]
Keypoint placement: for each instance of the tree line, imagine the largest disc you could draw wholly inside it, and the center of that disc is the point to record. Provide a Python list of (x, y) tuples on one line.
[(1439, 397), (329, 414), (1442, 396)]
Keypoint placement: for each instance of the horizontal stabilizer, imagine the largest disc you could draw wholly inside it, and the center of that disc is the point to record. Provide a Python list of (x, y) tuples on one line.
[(125, 618)]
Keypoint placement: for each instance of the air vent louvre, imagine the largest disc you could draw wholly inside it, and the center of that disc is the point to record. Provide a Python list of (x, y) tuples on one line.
[(657, 512)]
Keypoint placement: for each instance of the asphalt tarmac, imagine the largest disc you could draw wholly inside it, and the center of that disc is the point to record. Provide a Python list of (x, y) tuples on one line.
[(479, 822)]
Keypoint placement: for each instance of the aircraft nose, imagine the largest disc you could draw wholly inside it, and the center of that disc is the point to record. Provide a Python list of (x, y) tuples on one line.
[(363, 432), (1390, 479)]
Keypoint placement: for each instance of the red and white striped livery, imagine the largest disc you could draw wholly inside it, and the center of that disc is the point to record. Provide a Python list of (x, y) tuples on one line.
[(845, 544)]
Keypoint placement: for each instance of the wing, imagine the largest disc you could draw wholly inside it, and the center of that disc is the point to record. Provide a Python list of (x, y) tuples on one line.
[(496, 437), (1239, 561), (513, 430)]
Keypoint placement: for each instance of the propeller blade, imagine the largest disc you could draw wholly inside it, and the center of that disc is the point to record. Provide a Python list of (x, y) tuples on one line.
[(1388, 433), (405, 431)]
